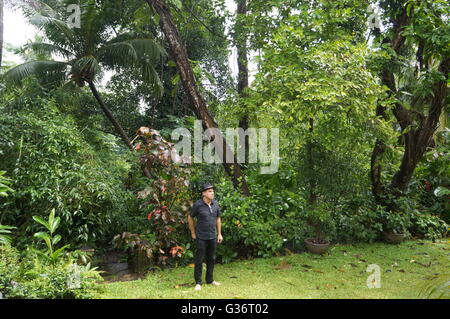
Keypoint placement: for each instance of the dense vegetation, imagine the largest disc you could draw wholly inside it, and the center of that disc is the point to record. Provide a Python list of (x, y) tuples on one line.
[(362, 113)]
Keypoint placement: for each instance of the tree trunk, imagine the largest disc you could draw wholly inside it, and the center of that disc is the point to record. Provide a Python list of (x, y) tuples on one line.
[(242, 61), (114, 122), (417, 137), (179, 54), (312, 199), (417, 141)]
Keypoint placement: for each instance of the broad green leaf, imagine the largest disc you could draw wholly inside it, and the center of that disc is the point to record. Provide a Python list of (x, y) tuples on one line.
[(441, 191), (41, 221), (56, 239)]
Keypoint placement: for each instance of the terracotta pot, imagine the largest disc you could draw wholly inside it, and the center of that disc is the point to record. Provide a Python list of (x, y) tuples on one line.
[(393, 238), (316, 248)]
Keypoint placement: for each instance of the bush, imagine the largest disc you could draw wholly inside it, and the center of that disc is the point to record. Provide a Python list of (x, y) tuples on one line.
[(55, 163), (427, 226), (9, 268), (358, 220), (28, 277)]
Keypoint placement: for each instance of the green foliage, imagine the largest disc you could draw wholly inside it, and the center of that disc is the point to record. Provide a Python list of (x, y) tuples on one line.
[(427, 226), (431, 185), (397, 222), (28, 277), (249, 225), (437, 287), (358, 220), (4, 234), (50, 240), (56, 164), (166, 200), (87, 50), (4, 181), (318, 216)]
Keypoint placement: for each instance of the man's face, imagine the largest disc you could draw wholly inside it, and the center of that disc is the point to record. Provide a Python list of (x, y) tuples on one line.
[(209, 193)]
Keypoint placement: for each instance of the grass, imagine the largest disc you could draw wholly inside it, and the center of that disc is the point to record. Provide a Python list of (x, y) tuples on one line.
[(341, 273)]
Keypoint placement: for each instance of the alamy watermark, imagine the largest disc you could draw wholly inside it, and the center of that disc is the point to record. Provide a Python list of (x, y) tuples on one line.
[(74, 277), (216, 152), (373, 280), (374, 19), (72, 21)]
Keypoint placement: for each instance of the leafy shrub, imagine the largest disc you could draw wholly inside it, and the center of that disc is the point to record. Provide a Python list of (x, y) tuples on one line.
[(4, 182), (52, 273), (4, 234), (166, 199), (427, 226), (9, 268), (55, 163), (30, 277), (248, 227), (358, 220)]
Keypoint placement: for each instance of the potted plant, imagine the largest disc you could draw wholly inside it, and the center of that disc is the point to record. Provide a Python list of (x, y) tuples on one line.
[(318, 217), (395, 226)]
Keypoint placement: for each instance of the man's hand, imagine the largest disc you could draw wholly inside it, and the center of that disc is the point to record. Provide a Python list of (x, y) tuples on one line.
[(219, 238), (193, 235)]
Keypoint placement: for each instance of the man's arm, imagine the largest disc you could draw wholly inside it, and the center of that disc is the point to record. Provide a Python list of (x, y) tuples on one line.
[(219, 230), (191, 226)]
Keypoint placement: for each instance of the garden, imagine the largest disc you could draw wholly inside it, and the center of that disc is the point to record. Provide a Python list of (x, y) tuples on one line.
[(335, 184)]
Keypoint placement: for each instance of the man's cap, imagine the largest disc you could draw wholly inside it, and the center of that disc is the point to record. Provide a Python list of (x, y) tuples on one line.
[(206, 186)]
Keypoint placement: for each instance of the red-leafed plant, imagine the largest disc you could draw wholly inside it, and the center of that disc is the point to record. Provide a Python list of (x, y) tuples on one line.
[(167, 197)]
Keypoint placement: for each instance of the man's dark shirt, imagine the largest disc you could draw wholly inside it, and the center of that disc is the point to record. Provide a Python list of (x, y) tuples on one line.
[(206, 218)]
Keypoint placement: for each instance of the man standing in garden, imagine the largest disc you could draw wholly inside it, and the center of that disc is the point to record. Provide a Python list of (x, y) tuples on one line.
[(207, 234)]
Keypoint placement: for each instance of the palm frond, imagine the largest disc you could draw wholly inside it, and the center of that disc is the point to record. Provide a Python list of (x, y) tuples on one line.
[(47, 48), (150, 75), (50, 71), (42, 20), (438, 287), (91, 26), (141, 54), (87, 67), (121, 54)]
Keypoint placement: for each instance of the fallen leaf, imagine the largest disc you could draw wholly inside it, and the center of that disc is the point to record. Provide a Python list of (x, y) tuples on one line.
[(319, 271), (283, 265)]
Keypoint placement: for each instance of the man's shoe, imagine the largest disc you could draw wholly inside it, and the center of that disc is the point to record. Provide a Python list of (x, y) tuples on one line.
[(198, 287), (215, 283)]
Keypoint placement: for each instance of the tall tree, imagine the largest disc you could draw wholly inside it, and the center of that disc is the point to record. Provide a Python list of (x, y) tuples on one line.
[(242, 61), (87, 52), (179, 54), (420, 35)]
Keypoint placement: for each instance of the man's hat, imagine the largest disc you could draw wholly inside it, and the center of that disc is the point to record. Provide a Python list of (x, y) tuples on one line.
[(206, 186)]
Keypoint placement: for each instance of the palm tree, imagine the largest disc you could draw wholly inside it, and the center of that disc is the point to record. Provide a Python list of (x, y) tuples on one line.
[(85, 53)]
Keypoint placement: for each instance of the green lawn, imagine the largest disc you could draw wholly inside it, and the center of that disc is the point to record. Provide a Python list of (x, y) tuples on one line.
[(340, 274)]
